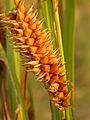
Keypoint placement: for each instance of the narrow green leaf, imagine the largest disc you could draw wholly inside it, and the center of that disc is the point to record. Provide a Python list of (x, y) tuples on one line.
[(15, 81), (10, 54), (59, 38), (69, 44), (58, 29), (30, 97), (15, 54)]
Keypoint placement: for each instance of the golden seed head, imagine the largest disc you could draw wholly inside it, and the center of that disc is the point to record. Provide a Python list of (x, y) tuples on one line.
[(33, 43)]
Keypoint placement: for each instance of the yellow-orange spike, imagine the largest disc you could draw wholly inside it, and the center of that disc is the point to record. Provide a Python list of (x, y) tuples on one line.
[(32, 41), (22, 7), (20, 16), (27, 32), (32, 26), (17, 2), (24, 25), (41, 75), (32, 63), (30, 10), (36, 70), (46, 68), (33, 50), (44, 60), (54, 87)]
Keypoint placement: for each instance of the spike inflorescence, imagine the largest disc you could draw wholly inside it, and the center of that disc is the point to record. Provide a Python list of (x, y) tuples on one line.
[(31, 40)]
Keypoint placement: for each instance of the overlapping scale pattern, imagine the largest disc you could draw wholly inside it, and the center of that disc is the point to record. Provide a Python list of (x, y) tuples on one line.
[(31, 40)]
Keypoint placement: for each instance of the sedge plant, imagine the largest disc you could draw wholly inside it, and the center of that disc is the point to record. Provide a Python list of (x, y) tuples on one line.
[(34, 43)]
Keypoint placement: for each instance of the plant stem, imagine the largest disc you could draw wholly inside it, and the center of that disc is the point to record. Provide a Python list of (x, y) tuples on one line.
[(14, 79), (58, 29), (69, 36), (60, 9), (23, 81), (16, 54), (30, 96), (10, 54), (59, 35)]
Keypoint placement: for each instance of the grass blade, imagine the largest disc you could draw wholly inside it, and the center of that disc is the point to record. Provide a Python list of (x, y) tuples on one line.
[(14, 78), (30, 98), (10, 54), (69, 37), (59, 37), (58, 29)]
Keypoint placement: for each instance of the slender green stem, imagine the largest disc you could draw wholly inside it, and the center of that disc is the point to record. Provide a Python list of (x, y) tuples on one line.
[(58, 29), (12, 60), (60, 9), (30, 96), (50, 17), (17, 64), (47, 13), (12, 95), (16, 54), (69, 37), (25, 83), (59, 35)]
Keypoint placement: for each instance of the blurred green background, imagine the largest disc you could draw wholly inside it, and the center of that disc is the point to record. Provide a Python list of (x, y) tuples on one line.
[(82, 61)]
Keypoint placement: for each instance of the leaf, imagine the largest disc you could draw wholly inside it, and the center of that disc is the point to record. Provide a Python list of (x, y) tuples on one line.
[(15, 81), (69, 45)]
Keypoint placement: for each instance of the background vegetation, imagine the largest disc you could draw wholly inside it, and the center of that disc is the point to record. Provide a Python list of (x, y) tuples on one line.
[(82, 58)]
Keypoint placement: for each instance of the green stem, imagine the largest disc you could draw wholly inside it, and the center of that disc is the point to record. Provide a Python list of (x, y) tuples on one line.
[(59, 35), (45, 8), (12, 61), (47, 13), (30, 96), (69, 37), (25, 83), (58, 29), (16, 54)]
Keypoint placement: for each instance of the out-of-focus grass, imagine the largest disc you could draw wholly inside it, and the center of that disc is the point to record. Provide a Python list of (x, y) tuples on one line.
[(40, 99), (82, 68)]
